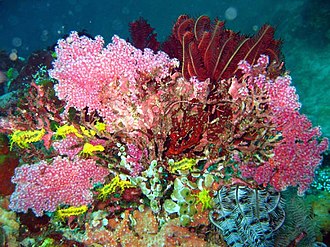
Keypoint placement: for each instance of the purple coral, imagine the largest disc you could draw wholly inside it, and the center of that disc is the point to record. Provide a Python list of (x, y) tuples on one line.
[(43, 187)]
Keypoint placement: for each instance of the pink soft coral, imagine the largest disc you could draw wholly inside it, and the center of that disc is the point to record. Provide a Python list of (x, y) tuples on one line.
[(112, 80), (43, 187), (298, 151)]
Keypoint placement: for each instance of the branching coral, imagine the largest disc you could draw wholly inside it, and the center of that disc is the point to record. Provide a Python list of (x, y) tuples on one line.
[(37, 108)]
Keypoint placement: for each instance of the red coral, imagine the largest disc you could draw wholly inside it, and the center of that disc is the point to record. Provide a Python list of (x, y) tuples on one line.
[(8, 163), (7, 167), (196, 123), (132, 194), (35, 225)]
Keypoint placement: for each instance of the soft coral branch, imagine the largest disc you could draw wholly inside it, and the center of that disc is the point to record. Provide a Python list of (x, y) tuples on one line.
[(297, 152)]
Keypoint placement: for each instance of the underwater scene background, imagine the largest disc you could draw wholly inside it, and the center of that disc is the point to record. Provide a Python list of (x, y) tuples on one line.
[(164, 123)]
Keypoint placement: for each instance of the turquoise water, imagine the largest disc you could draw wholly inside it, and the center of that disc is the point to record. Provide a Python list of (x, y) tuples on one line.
[(191, 186)]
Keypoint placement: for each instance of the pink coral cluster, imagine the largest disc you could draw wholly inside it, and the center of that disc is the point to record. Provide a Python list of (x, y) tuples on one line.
[(69, 146), (43, 187), (111, 80), (298, 150), (134, 157)]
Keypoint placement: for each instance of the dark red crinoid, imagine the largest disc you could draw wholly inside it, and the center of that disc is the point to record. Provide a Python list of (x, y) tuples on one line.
[(211, 51), (207, 49), (143, 35)]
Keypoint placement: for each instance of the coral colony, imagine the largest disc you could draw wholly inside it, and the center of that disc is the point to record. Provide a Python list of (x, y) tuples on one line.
[(185, 143)]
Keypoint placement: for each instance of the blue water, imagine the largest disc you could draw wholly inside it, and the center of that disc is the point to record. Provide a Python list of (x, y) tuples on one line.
[(40, 23)]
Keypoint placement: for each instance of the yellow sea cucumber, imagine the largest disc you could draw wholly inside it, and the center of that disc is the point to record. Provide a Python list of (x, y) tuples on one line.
[(100, 126)]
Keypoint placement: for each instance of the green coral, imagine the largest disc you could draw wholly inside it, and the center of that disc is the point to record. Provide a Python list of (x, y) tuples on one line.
[(48, 242), (322, 179), (182, 201), (41, 76), (11, 75), (151, 185)]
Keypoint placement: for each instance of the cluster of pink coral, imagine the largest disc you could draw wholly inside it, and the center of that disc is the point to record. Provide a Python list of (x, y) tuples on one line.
[(69, 146), (298, 151), (43, 187), (134, 158), (110, 80)]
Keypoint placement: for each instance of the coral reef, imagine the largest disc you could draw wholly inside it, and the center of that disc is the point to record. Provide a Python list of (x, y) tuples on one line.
[(126, 78), (121, 146), (298, 151)]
